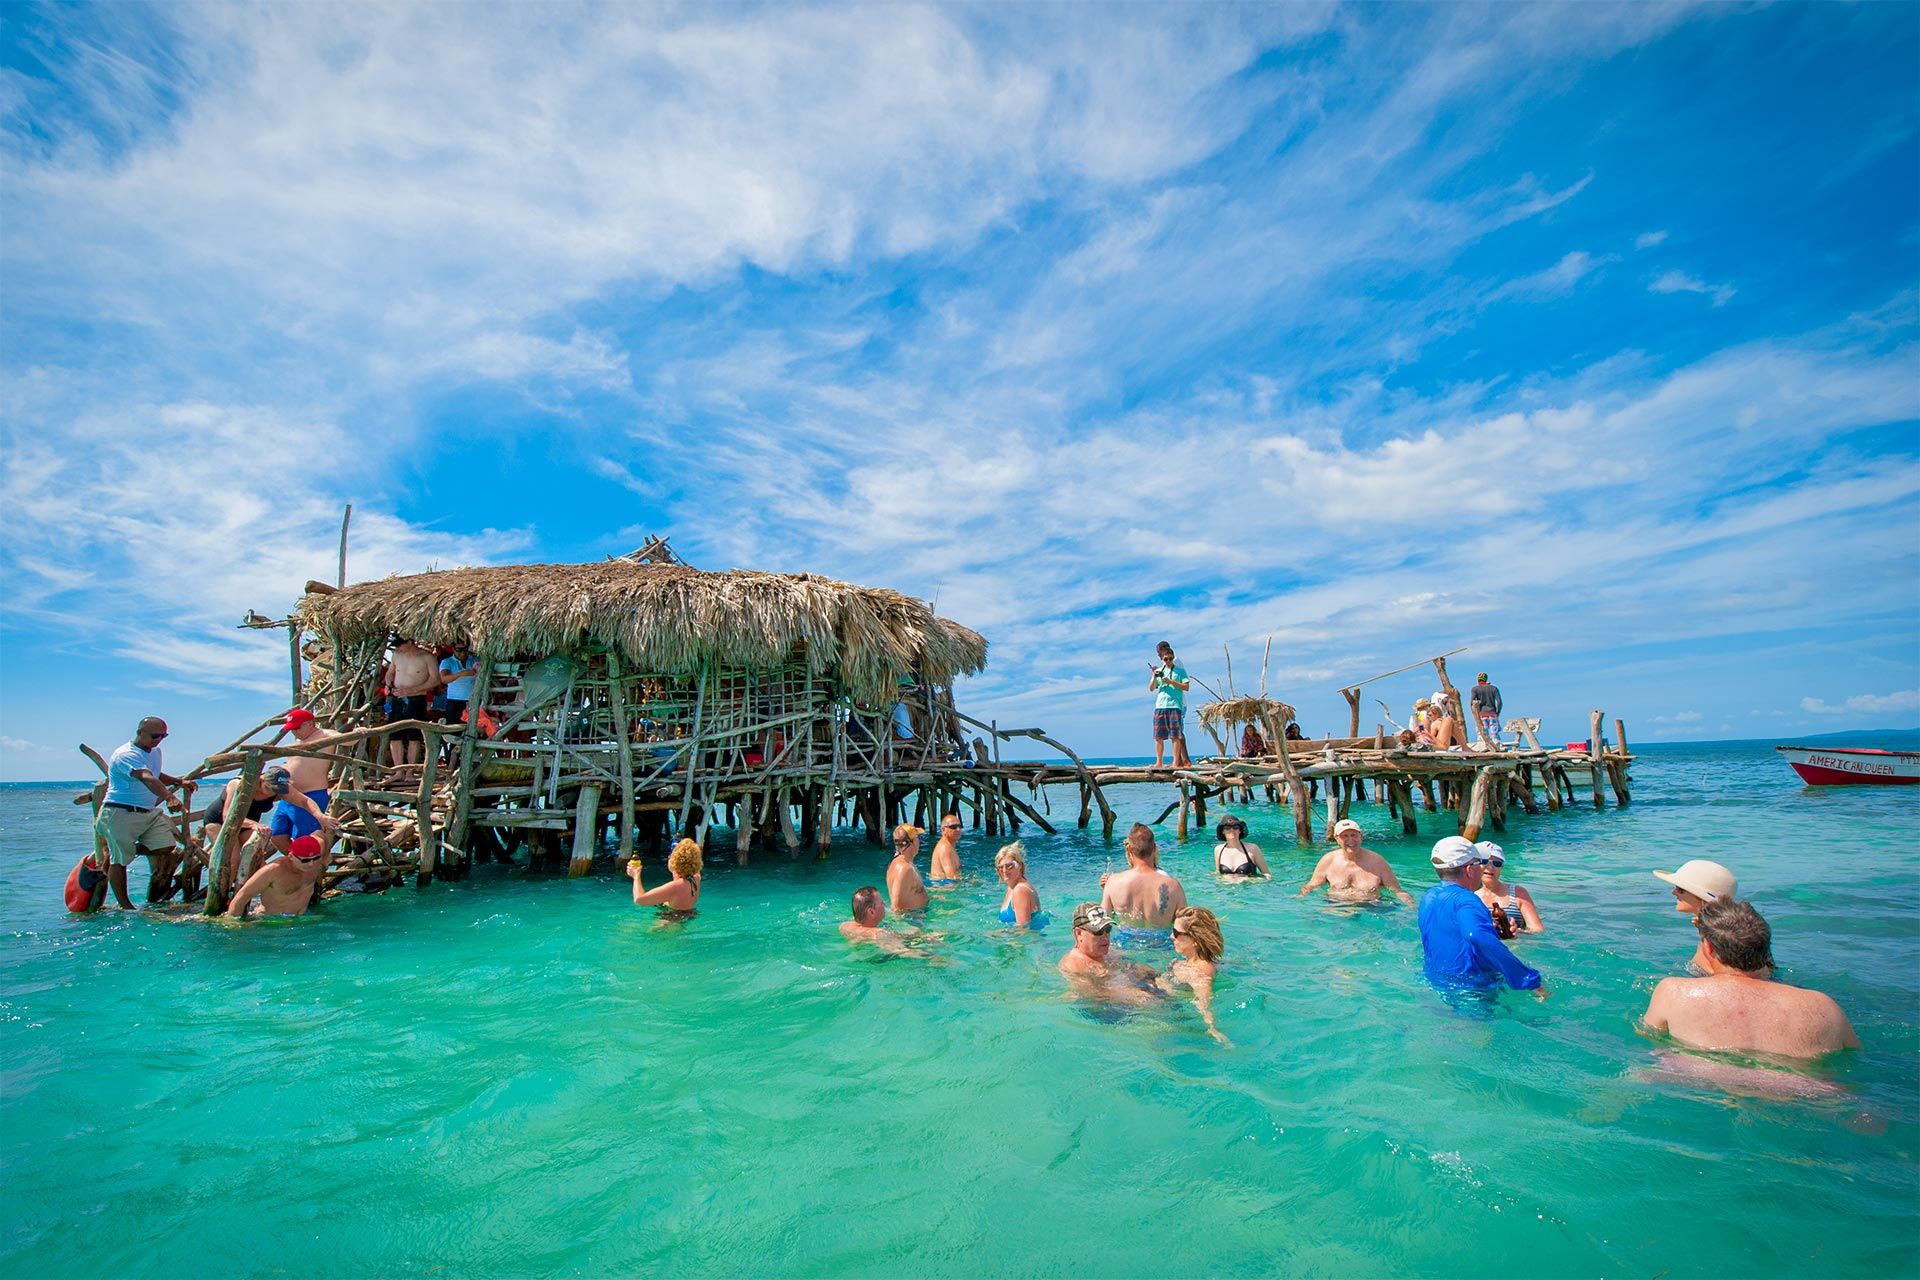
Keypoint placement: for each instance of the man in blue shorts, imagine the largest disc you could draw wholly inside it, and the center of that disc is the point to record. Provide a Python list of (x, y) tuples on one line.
[(1456, 929), (1169, 686)]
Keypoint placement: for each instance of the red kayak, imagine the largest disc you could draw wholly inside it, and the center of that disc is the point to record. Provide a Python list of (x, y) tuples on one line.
[(1852, 766)]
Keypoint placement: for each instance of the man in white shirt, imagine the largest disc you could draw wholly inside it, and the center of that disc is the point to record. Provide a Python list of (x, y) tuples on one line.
[(133, 816)]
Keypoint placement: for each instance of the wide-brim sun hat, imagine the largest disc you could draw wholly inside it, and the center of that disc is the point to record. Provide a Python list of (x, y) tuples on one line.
[(1702, 879)]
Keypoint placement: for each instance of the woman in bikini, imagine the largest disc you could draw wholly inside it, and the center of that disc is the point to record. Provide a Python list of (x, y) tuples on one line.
[(1233, 856), (1510, 902), (679, 897), (1197, 941), (1021, 910)]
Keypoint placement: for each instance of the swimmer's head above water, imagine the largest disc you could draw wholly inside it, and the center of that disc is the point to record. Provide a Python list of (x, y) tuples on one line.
[(1092, 930), (869, 908), (1140, 846)]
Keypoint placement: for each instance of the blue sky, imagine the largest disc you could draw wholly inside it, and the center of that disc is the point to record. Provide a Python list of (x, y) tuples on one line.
[(1581, 336)]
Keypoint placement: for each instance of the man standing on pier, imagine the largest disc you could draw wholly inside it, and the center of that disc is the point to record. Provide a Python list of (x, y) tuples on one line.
[(1169, 685), (133, 815), (411, 679), (1486, 707)]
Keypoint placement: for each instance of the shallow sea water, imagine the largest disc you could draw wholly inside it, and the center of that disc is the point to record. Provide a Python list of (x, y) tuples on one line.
[(526, 1076)]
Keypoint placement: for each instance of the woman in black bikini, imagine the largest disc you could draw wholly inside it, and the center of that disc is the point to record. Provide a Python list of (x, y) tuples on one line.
[(1233, 856), (679, 897)]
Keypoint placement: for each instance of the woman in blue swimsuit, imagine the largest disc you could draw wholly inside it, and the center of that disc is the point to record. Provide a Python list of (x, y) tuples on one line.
[(1022, 907)]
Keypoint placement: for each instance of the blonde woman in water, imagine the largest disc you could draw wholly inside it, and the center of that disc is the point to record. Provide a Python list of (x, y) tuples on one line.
[(678, 897), (1022, 906), (1197, 940)]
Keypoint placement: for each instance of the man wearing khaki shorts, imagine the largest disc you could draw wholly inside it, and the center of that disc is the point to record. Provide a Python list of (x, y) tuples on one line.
[(133, 816)]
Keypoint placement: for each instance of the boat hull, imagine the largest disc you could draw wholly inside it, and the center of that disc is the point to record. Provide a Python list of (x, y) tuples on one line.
[(1852, 766)]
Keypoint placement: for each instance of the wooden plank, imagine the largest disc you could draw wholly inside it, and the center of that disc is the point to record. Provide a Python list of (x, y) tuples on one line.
[(586, 831)]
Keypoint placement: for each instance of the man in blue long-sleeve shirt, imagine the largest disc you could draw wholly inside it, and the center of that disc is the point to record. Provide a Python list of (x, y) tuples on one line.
[(1456, 930)]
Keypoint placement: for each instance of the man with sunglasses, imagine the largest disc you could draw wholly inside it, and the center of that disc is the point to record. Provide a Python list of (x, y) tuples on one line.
[(1456, 932), (945, 870), (133, 816), (1093, 970)]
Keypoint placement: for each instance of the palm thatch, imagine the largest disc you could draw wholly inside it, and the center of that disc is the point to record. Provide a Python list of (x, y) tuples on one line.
[(661, 617), (1219, 716)]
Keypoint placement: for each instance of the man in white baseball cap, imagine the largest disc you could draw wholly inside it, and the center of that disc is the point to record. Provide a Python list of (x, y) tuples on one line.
[(1699, 882), (1456, 931)]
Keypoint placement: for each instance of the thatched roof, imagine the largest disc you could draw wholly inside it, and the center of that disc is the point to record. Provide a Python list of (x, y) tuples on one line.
[(661, 617), (1218, 715)]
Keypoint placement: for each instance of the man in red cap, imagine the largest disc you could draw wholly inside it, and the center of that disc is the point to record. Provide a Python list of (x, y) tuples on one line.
[(309, 776), (285, 886)]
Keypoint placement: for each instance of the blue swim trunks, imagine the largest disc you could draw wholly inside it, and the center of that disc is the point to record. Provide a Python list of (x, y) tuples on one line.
[(292, 821), (1143, 939)]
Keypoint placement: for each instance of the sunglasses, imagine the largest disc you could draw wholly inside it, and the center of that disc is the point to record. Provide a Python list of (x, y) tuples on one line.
[(949, 826)]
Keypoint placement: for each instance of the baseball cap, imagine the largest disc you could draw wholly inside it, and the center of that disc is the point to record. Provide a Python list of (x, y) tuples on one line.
[(306, 848), (278, 780), (1453, 852), (1702, 879), (1345, 824), (1491, 852), (297, 717), (1092, 917)]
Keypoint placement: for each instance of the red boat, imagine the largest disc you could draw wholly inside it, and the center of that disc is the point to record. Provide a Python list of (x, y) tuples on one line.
[(1852, 766)]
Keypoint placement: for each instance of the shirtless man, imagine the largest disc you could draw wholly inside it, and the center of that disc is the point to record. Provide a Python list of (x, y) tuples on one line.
[(1352, 872), (1143, 896), (946, 852), (309, 778), (905, 888), (1736, 1007), (284, 886), (251, 838), (411, 679), (1091, 970), (868, 912)]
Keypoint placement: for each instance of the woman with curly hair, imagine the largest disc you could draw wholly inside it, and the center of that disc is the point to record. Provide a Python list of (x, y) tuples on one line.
[(678, 897)]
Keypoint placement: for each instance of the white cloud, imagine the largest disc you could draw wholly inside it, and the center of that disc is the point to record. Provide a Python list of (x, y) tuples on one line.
[(1648, 239), (1902, 700), (1681, 282), (21, 744), (1679, 717), (1556, 279)]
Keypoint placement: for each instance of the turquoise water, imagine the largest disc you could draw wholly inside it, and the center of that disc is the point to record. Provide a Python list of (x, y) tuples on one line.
[(526, 1076)]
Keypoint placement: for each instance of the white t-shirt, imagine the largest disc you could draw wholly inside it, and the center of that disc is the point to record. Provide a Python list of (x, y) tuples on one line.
[(122, 786)]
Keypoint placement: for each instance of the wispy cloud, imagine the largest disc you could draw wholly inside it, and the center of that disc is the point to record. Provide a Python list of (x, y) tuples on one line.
[(1901, 700), (1648, 239), (1681, 282)]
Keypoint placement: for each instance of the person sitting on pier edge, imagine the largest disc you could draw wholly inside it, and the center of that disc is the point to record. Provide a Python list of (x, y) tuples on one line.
[(1697, 883), (868, 911), (1021, 908), (1443, 727), (1169, 685), (1456, 933), (411, 679), (285, 886), (1736, 1008), (1509, 905), (1485, 700), (945, 870), (309, 777), (906, 890), (1199, 947), (1143, 898), (133, 818), (1353, 872), (679, 897), (1233, 856), (1092, 970), (1253, 744)]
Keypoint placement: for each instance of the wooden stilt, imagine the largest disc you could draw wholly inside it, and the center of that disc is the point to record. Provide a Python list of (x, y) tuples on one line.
[(783, 803), (743, 829), (423, 806), (1476, 812), (586, 817), (229, 833), (1186, 801), (1596, 761)]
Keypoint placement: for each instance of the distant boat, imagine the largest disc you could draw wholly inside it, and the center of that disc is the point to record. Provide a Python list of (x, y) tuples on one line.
[(1852, 766)]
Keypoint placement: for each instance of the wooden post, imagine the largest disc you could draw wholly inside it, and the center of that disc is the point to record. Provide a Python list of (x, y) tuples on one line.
[(1185, 801), (1459, 703), (346, 518), (1482, 799), (743, 828), (1086, 804), (423, 806), (1353, 711), (293, 645), (1549, 776), (1302, 803), (617, 699), (586, 826), (1619, 736), (1596, 765), (1617, 774), (783, 802), (823, 822), (229, 830), (1409, 825)]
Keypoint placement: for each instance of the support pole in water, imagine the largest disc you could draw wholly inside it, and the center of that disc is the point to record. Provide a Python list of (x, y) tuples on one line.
[(586, 830), (1596, 762), (229, 830)]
